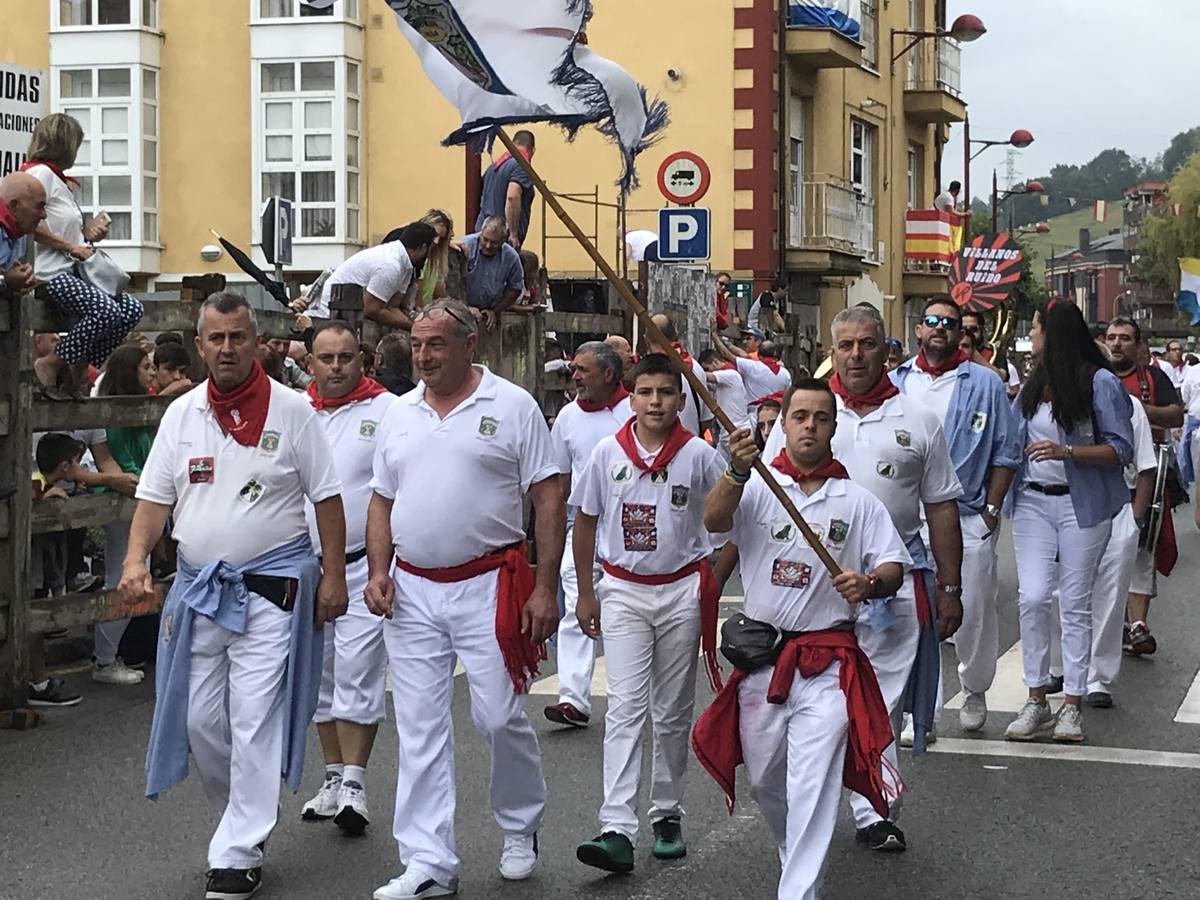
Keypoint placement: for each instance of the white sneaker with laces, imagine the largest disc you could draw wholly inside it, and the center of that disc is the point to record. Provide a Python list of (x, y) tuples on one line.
[(1068, 726), (414, 885), (1032, 718), (973, 713), (352, 816), (908, 733), (519, 856), (116, 672), (325, 804)]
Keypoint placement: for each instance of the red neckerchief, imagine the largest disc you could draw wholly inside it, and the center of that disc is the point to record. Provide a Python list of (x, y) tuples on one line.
[(683, 354), (249, 400), (722, 311), (8, 221), (364, 390), (592, 406), (772, 364), (775, 396), (1178, 365), (831, 468), (987, 353), (939, 369), (66, 179), (671, 446), (506, 156), (874, 397)]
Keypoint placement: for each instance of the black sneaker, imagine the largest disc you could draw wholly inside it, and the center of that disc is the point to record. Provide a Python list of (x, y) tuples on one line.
[(233, 884), (882, 836), (668, 839), (53, 694)]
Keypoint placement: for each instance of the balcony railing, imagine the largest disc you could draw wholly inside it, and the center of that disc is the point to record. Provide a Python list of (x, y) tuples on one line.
[(936, 65), (836, 216)]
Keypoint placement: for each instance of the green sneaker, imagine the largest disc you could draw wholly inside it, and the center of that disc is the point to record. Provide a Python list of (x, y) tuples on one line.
[(668, 839), (611, 852)]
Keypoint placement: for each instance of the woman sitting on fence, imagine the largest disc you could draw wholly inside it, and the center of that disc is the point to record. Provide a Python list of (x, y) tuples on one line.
[(63, 241)]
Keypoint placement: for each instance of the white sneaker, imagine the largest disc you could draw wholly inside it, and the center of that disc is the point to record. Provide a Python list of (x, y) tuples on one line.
[(116, 672), (414, 884), (352, 815), (1068, 726), (1032, 718), (973, 713), (325, 804), (908, 733), (519, 856)]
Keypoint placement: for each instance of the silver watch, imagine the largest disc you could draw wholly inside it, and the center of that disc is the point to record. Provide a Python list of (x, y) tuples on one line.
[(992, 510)]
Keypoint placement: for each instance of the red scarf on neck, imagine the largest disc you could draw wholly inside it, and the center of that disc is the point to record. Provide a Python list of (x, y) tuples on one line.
[(722, 309), (66, 179), (772, 364), (776, 396), (683, 354), (939, 369), (506, 156), (243, 411), (593, 406), (831, 468), (8, 221), (671, 446), (364, 390), (874, 397)]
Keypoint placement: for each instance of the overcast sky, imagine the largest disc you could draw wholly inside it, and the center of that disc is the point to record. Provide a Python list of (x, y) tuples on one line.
[(1082, 75)]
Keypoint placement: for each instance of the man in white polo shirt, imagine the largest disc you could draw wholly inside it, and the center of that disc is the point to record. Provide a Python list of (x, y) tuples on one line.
[(350, 408), (446, 553), (238, 658), (600, 408), (763, 375), (729, 390)]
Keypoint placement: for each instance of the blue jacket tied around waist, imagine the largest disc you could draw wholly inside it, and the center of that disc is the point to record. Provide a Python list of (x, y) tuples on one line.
[(218, 592)]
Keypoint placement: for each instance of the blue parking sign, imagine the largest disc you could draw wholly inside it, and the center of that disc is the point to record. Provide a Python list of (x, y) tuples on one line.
[(683, 233)]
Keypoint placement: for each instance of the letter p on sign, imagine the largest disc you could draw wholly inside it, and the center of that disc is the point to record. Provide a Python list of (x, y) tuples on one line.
[(683, 233)]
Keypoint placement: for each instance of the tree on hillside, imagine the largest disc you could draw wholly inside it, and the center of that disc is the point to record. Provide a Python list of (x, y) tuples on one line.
[(1165, 236), (1182, 146)]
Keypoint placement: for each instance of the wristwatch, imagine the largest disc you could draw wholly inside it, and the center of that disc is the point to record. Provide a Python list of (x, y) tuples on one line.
[(872, 585), (949, 588), (992, 510)]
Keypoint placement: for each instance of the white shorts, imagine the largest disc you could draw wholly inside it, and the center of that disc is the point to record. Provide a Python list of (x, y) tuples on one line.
[(352, 678)]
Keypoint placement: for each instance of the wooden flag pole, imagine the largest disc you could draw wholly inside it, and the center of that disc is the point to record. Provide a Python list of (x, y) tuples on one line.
[(655, 334)]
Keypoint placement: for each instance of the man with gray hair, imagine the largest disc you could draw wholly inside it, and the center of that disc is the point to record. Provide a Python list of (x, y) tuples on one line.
[(22, 208), (495, 277), (600, 408)]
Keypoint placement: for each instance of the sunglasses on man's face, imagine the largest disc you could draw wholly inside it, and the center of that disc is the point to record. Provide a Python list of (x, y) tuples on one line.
[(948, 322), (971, 329)]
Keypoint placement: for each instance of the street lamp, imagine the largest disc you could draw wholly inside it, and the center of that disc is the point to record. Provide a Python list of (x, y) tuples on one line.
[(965, 29), (1031, 187), (1020, 138), (1039, 228)]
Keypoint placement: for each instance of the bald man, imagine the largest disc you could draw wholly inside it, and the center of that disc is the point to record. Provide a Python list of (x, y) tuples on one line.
[(22, 207), (628, 360)]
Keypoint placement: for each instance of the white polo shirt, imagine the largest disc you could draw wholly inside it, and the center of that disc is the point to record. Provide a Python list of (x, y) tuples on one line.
[(1144, 455), (457, 483), (730, 393), (786, 583), (898, 452), (352, 432), (759, 379), (234, 503), (576, 433), (383, 271), (932, 393), (649, 523)]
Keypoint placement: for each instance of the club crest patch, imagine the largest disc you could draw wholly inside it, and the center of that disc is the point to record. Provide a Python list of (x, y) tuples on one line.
[(366, 429), (658, 476), (252, 492), (838, 531), (621, 472), (200, 470), (269, 443), (679, 495), (782, 532), (638, 524), (903, 438), (488, 426), (790, 573), (885, 469), (978, 421)]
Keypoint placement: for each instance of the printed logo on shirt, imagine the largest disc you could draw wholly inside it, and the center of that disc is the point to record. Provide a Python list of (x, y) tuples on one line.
[(885, 469), (638, 526), (168, 625), (903, 438), (679, 495), (622, 471), (488, 426), (269, 442), (200, 470), (251, 492), (366, 429), (790, 573), (781, 532), (978, 421), (658, 476), (838, 531)]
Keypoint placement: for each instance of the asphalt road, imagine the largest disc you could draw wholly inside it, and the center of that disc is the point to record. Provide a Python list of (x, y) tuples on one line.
[(984, 818)]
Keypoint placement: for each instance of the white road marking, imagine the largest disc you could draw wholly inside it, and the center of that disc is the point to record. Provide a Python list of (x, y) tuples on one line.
[(1008, 692), (1069, 752), (1189, 710)]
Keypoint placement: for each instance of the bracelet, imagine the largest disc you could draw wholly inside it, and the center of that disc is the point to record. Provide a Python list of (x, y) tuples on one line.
[(949, 588), (737, 483), (735, 476), (1068, 452)]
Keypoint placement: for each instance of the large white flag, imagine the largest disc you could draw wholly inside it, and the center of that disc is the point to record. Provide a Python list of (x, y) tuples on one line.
[(524, 61)]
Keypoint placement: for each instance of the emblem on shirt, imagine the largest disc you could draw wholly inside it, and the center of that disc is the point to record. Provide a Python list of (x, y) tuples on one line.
[(622, 471), (251, 491), (903, 438), (978, 421), (885, 469), (658, 476), (269, 442), (679, 495), (781, 532), (366, 429), (488, 426), (838, 531), (200, 470), (638, 526), (790, 573)]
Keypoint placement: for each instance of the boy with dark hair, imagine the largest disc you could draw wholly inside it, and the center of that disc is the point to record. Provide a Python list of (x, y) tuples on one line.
[(171, 362)]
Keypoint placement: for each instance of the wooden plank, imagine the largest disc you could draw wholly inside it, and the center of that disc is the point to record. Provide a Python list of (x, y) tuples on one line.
[(164, 311), (98, 412), (73, 610), (584, 323), (83, 511), (5, 416)]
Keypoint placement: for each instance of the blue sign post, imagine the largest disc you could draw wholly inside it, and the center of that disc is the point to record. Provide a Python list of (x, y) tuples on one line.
[(683, 234)]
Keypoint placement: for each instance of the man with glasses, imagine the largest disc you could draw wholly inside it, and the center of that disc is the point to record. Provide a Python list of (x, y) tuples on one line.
[(975, 325), (1172, 363), (972, 406), (721, 308)]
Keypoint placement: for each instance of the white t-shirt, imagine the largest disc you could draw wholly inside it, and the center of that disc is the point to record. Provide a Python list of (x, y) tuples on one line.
[(638, 241), (1190, 391), (63, 219), (457, 483), (730, 393), (233, 503), (352, 432), (90, 437), (759, 379), (381, 271), (1042, 427), (1144, 455), (932, 393), (649, 524), (576, 433), (786, 582), (1177, 375), (944, 202), (1014, 379)]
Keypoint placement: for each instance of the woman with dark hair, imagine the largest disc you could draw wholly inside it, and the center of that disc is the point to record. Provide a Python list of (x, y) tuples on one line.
[(1072, 418), (764, 421)]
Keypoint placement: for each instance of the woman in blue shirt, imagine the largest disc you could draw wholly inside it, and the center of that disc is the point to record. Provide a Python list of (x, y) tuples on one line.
[(1072, 418)]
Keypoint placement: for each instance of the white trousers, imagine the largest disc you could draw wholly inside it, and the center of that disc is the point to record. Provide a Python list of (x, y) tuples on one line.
[(355, 659), (793, 753), (1109, 590), (977, 641), (235, 727), (576, 652), (651, 646), (1045, 530), (106, 638), (433, 626), (892, 653)]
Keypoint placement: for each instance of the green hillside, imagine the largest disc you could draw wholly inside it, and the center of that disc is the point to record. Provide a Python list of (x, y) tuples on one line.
[(1064, 233)]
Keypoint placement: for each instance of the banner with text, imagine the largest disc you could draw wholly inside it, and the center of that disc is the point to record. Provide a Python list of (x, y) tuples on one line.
[(985, 271), (23, 95)]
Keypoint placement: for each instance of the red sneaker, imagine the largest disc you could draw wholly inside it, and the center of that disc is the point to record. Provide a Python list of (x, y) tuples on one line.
[(1140, 642), (567, 714)]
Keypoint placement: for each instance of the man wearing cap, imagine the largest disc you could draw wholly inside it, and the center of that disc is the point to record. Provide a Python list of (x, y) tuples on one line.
[(763, 376)]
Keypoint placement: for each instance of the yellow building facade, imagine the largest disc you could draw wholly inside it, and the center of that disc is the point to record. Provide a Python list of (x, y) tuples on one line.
[(196, 112)]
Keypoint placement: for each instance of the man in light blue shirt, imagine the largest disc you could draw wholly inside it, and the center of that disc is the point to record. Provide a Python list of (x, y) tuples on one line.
[(22, 208), (495, 278)]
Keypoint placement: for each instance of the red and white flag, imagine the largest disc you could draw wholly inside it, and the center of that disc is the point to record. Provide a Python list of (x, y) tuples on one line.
[(1101, 210)]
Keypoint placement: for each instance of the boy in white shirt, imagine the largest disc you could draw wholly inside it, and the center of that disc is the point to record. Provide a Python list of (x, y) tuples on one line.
[(640, 510)]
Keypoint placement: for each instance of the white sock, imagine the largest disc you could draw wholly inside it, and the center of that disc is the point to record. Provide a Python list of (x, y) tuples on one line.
[(355, 773), (333, 770)]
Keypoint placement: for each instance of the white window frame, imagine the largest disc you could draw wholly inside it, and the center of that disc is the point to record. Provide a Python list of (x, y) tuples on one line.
[(795, 170), (869, 33), (864, 138), (138, 16), (913, 174), (341, 11)]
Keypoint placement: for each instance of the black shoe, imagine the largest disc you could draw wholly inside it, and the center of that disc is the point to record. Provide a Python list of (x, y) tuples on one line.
[(882, 836), (233, 884), (1100, 700), (53, 694), (1056, 685), (668, 839)]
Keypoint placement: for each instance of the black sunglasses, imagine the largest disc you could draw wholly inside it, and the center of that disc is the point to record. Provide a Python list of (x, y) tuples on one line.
[(430, 310), (947, 322)]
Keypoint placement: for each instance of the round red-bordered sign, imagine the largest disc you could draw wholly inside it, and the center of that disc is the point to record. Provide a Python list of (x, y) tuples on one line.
[(683, 177)]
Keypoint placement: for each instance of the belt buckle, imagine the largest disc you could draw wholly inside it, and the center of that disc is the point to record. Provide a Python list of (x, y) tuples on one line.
[(289, 595)]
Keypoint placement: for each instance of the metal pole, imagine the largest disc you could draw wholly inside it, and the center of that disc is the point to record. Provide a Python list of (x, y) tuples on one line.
[(994, 200), (655, 334), (966, 223), (472, 185)]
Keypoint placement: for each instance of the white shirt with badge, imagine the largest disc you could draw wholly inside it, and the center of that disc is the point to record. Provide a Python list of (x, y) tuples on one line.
[(649, 523), (457, 482), (576, 433), (759, 378), (352, 431), (233, 503), (786, 583)]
